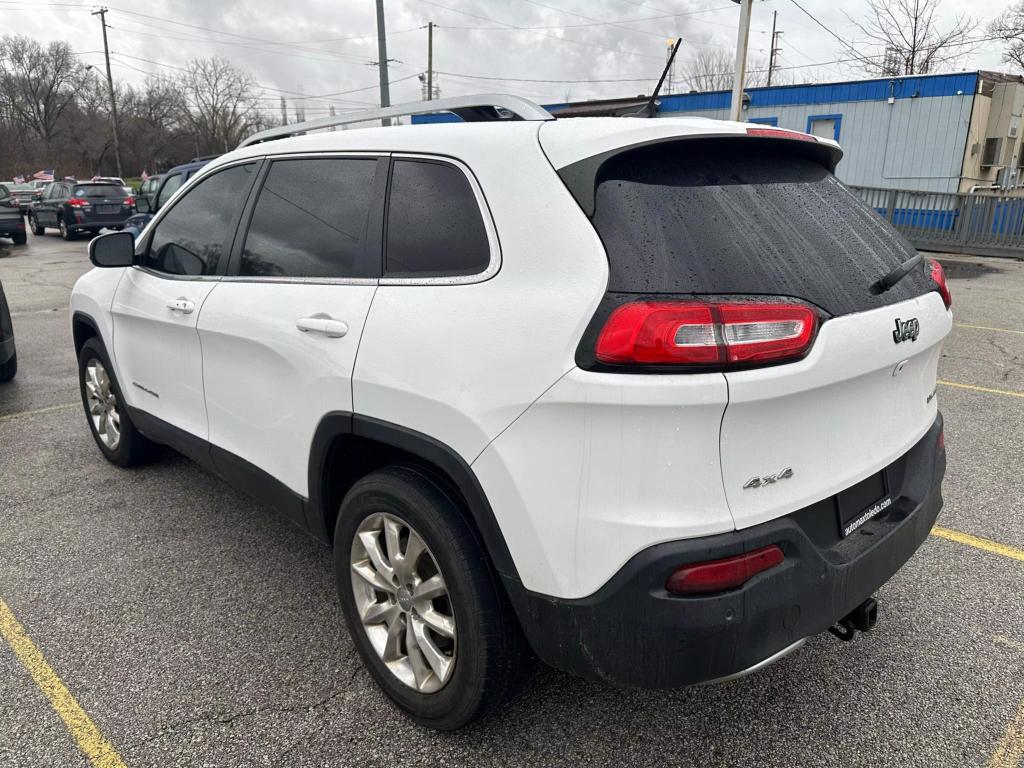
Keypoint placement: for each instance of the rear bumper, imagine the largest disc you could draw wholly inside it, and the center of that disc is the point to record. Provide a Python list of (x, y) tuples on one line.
[(633, 632)]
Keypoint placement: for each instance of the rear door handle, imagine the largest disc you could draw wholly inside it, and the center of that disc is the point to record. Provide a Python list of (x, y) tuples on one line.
[(182, 305), (329, 327)]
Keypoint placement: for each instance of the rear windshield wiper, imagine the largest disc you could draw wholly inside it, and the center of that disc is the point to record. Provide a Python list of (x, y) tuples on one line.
[(889, 280)]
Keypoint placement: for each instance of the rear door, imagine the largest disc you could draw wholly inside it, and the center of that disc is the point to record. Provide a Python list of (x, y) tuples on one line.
[(280, 333), (46, 210), (157, 304), (748, 217)]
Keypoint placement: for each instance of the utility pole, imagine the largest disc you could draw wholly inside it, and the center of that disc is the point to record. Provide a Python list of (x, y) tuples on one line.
[(382, 61), (102, 13), (430, 60), (284, 111), (775, 47), (740, 72), (330, 109)]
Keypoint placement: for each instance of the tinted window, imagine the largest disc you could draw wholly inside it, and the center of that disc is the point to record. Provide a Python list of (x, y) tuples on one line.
[(168, 189), (196, 233), (434, 222), (311, 220), (744, 216), (97, 190)]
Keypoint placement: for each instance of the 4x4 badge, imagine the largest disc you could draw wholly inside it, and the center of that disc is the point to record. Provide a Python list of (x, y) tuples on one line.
[(759, 481), (906, 329)]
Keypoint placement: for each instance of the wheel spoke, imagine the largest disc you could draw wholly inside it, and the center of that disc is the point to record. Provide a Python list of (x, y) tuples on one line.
[(392, 532), (371, 543), (393, 644), (413, 549), (384, 612), (95, 406), (368, 574), (443, 625), (438, 662), (431, 588), (415, 654)]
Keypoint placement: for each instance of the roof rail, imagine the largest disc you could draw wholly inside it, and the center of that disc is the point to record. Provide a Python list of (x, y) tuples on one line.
[(472, 109)]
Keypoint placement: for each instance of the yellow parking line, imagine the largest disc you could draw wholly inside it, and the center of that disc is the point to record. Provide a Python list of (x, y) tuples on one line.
[(99, 751), (1007, 392), (1010, 752), (987, 328), (23, 414), (975, 541)]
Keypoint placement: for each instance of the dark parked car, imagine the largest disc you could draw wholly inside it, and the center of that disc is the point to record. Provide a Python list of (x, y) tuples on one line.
[(12, 224), (73, 207), (150, 203), (8, 355), (25, 194)]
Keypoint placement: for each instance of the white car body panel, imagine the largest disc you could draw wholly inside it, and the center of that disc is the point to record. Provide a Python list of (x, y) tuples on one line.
[(603, 466), (92, 295), (835, 417), (268, 415), (159, 360)]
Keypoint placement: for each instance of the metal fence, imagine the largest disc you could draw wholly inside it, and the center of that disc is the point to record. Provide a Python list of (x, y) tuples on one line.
[(984, 225)]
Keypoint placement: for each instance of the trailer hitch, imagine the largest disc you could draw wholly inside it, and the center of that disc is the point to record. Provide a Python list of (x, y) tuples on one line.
[(861, 619)]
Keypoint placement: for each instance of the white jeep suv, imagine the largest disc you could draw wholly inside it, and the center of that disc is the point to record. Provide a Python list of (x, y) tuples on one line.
[(652, 400)]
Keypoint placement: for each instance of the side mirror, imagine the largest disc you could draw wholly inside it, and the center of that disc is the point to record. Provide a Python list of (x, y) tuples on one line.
[(115, 249), (142, 205)]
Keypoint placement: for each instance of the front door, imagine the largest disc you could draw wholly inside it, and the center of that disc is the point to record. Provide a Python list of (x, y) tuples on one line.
[(157, 304), (281, 331)]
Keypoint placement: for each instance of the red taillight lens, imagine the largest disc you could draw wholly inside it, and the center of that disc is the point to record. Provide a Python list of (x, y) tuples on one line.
[(939, 277), (697, 333), (941, 442), (78, 202), (129, 201), (780, 133), (727, 573)]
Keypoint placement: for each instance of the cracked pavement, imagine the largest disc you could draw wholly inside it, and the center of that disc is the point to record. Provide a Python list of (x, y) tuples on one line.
[(198, 628)]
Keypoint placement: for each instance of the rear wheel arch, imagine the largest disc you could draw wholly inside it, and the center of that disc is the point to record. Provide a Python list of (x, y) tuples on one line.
[(347, 447)]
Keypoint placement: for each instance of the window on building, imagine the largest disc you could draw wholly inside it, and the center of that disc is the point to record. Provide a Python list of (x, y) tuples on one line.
[(434, 222), (311, 220), (990, 154), (197, 232), (772, 121)]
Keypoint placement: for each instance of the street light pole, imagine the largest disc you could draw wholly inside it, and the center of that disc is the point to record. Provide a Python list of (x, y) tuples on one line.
[(740, 72), (430, 60), (102, 13), (382, 61)]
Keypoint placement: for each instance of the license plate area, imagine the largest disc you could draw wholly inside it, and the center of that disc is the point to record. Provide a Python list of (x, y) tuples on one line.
[(107, 208), (862, 502)]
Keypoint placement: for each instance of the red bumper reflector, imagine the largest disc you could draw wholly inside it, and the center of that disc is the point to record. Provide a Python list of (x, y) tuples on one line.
[(727, 573), (939, 278)]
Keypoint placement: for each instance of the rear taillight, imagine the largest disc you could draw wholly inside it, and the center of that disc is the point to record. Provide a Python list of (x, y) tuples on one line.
[(939, 278), (727, 573), (780, 133), (128, 202), (78, 202), (705, 334)]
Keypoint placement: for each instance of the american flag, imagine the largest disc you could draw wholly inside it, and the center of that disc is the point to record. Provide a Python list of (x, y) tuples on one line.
[(18, 179), (46, 175)]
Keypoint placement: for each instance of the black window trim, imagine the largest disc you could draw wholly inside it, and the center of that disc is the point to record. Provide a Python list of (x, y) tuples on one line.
[(494, 245), (142, 248), (375, 231)]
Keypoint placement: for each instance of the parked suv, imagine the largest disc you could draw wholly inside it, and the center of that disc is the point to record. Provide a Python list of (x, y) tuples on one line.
[(157, 195), (655, 401), (12, 223), (8, 352), (72, 207)]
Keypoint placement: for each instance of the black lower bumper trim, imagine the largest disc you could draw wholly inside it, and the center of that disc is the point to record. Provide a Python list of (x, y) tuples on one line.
[(633, 632)]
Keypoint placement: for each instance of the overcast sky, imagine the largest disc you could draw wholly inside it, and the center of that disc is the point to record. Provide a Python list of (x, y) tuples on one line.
[(320, 47)]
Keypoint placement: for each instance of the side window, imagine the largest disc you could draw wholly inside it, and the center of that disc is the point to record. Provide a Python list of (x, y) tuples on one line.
[(311, 220), (197, 231), (169, 188), (434, 223)]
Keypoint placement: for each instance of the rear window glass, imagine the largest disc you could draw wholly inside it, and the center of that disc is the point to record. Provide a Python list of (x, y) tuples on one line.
[(97, 190), (744, 216)]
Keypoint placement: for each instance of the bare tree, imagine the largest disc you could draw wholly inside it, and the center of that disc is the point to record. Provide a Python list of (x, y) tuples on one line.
[(908, 34), (38, 84), (1009, 27), (222, 108), (153, 121), (712, 70)]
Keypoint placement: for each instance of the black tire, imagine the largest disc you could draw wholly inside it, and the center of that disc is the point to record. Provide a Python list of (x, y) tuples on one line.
[(34, 226), (133, 448), (492, 654), (8, 369), (66, 232), (20, 238)]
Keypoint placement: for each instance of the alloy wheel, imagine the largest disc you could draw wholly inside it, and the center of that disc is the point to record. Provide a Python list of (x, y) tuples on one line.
[(102, 404), (403, 602)]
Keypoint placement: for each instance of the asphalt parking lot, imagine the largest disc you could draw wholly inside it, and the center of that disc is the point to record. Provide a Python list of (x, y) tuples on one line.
[(194, 627)]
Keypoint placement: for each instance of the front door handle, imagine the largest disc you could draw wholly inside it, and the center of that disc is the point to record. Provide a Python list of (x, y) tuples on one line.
[(182, 305), (328, 326)]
